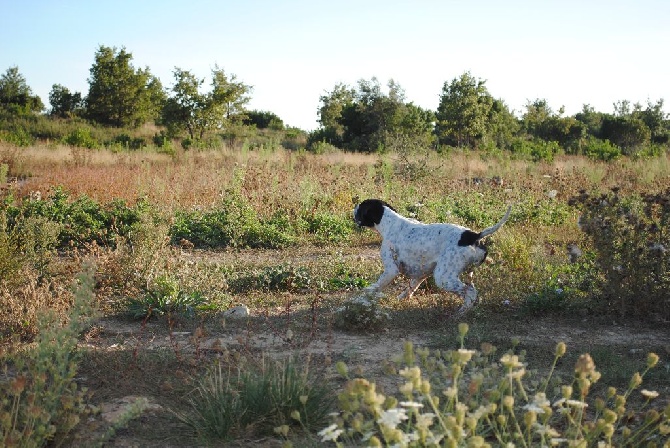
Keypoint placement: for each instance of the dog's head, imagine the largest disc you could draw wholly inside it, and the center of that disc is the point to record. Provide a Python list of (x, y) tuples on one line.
[(369, 212)]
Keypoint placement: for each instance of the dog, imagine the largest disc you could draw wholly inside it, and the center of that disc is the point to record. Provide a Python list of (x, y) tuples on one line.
[(419, 250)]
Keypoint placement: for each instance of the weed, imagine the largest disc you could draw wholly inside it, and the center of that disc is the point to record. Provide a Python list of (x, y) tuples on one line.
[(465, 397), (41, 401), (264, 397), (166, 297)]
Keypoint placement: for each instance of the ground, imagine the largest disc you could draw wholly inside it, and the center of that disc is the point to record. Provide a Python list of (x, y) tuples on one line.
[(130, 359)]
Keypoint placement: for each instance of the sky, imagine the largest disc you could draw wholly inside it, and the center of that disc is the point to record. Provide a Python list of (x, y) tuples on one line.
[(292, 52)]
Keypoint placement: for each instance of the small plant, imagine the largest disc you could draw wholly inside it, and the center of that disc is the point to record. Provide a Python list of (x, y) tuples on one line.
[(361, 313), (273, 396), (40, 400), (284, 277), (467, 397), (166, 298)]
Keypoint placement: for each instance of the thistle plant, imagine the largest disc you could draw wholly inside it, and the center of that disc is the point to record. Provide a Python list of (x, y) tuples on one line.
[(465, 397)]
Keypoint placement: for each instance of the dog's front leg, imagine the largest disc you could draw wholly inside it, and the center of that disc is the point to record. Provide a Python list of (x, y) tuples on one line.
[(391, 269)]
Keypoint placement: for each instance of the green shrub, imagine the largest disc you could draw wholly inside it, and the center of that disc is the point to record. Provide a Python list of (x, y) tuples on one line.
[(272, 278), (601, 150), (40, 402), (235, 223), (464, 397), (327, 227), (82, 220), (81, 137), (165, 297)]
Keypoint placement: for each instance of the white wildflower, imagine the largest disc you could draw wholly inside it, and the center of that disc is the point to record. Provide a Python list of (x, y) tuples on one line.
[(392, 417), (330, 433)]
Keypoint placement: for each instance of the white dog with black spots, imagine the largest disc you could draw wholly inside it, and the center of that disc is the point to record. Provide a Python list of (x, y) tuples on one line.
[(419, 250)]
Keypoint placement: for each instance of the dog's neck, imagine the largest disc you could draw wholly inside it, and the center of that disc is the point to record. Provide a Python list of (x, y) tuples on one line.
[(390, 220)]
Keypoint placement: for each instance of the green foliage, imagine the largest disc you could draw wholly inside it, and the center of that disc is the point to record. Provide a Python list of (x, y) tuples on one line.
[(82, 220), (41, 401), (118, 94), (463, 112), (601, 150), (195, 112), (627, 132), (631, 243), (326, 227), (19, 137), (65, 104), (466, 397), (283, 277), (362, 119), (165, 297), (263, 120), (81, 138), (16, 96), (536, 149), (273, 396)]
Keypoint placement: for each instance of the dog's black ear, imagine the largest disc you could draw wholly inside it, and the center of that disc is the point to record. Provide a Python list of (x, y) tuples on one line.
[(369, 212), (468, 238)]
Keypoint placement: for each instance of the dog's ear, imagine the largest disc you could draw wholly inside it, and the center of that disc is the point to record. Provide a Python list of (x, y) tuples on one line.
[(369, 212)]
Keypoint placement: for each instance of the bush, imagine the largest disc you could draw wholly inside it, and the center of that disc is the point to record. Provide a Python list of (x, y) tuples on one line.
[(631, 245), (601, 150), (166, 297), (81, 138), (82, 221), (41, 401)]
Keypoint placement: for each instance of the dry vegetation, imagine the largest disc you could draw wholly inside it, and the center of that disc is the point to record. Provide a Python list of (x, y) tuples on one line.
[(293, 289)]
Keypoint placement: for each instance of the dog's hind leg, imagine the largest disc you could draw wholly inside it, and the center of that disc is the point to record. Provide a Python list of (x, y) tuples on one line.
[(414, 284)]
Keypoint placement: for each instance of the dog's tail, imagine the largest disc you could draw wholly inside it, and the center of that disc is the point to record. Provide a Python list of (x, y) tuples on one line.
[(492, 229), (468, 237)]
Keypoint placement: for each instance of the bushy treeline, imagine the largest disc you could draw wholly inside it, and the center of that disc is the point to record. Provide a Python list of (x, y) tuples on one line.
[(365, 118)]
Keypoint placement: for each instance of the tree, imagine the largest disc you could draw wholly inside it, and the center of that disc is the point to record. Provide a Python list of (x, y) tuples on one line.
[(118, 94), (333, 104), (263, 120), (196, 112), (65, 104), (15, 94), (465, 105), (367, 119)]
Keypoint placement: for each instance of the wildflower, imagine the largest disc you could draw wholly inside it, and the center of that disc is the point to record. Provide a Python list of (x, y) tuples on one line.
[(508, 401), (450, 392), (585, 364), (295, 415), (329, 433), (282, 430), (424, 420), (560, 349), (411, 404), (538, 404), (463, 355), (392, 417), (652, 359), (342, 369), (576, 404), (411, 373), (635, 381), (511, 361), (463, 329), (649, 394)]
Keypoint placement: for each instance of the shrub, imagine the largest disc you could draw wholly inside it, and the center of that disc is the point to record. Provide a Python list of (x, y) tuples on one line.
[(601, 150), (273, 278), (631, 245), (166, 297), (81, 137), (466, 397), (82, 220), (41, 401)]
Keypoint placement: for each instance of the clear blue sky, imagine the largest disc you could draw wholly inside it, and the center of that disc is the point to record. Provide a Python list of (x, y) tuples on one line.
[(567, 52)]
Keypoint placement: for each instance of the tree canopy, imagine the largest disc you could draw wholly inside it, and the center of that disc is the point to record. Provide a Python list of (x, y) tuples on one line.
[(198, 112), (120, 95), (15, 94)]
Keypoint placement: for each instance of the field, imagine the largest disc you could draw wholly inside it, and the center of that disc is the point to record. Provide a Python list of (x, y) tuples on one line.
[(271, 230)]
